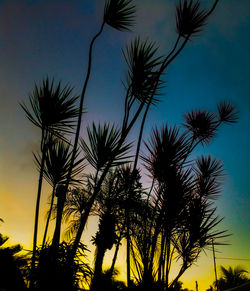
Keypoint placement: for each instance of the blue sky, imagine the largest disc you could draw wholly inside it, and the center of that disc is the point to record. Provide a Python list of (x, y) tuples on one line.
[(39, 38)]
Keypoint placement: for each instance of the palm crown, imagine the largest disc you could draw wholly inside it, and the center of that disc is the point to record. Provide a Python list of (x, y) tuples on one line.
[(119, 14), (53, 107)]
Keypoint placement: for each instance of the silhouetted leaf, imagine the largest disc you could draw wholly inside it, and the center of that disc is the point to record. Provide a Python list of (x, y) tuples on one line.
[(104, 147), (190, 19), (119, 14), (143, 78), (57, 163), (202, 124), (227, 112), (167, 150), (52, 107)]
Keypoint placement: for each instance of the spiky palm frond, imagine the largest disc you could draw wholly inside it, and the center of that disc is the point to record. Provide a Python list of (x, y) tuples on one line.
[(167, 150), (208, 167), (75, 204), (208, 177), (104, 147), (119, 14), (233, 273), (143, 65), (201, 124), (231, 277), (198, 232), (71, 229), (57, 163), (190, 19), (227, 112), (53, 108)]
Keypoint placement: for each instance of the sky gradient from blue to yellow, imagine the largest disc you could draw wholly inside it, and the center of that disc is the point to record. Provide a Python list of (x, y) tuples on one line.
[(39, 38)]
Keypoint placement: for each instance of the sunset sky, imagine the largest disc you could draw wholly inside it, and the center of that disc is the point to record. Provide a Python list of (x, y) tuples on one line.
[(42, 37)]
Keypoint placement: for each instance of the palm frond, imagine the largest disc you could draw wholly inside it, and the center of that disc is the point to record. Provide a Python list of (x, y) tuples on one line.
[(208, 167), (227, 112), (52, 107), (167, 150), (190, 19), (208, 177), (57, 163), (72, 228), (104, 147), (143, 65), (201, 124), (119, 14)]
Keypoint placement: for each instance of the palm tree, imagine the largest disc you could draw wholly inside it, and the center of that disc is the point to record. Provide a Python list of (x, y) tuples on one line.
[(57, 162), (118, 14), (190, 20), (104, 240), (103, 152), (231, 277), (53, 109), (182, 218)]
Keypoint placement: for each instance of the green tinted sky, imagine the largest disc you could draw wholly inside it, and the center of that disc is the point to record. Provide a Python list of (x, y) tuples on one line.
[(41, 37)]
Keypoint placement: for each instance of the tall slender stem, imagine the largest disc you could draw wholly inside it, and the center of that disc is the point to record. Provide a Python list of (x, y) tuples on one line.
[(164, 65), (39, 190), (215, 271), (115, 254), (128, 245), (62, 199), (49, 215)]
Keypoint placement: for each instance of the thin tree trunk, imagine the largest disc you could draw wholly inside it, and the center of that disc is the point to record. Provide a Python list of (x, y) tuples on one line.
[(168, 259), (90, 203), (62, 201), (163, 67), (39, 190), (161, 260), (115, 254), (49, 215), (98, 268), (60, 205), (128, 247), (181, 272)]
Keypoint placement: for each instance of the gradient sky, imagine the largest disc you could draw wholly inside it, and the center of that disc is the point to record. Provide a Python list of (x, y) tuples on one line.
[(42, 37)]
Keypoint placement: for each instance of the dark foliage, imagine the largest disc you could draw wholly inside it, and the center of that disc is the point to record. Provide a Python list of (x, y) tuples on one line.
[(12, 266), (119, 14)]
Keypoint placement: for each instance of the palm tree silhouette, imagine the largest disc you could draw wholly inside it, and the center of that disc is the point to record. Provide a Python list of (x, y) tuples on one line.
[(180, 217), (57, 162), (231, 277), (119, 15), (103, 152), (52, 109), (190, 20)]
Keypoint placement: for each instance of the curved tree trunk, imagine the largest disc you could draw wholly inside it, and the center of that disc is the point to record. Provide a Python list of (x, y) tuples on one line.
[(74, 151)]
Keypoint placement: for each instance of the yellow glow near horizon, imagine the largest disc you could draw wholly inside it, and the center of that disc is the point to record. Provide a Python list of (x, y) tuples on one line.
[(18, 210), (19, 221)]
